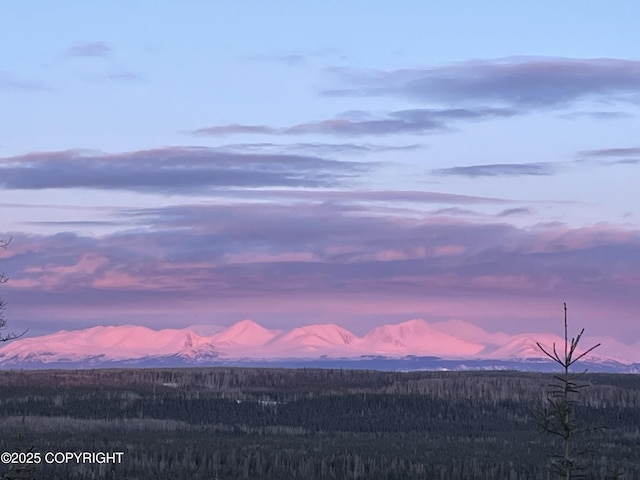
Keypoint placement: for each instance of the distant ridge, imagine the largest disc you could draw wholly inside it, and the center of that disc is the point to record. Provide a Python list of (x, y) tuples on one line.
[(245, 332), (246, 341), (416, 337)]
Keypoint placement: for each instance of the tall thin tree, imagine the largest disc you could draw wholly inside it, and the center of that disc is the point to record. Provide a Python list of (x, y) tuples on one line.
[(557, 417), (3, 320), (3, 279), (16, 471)]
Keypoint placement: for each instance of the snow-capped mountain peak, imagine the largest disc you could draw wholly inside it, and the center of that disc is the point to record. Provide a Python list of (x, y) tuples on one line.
[(326, 338), (418, 337), (132, 344), (244, 332)]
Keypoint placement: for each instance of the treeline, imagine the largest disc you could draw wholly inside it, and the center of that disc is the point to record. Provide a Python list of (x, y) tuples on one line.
[(309, 424)]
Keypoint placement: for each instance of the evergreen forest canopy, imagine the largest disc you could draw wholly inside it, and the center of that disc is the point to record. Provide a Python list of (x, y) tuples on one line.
[(232, 423)]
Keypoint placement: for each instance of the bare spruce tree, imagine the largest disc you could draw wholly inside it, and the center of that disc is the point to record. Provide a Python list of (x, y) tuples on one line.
[(557, 417), (18, 471), (3, 319), (5, 337)]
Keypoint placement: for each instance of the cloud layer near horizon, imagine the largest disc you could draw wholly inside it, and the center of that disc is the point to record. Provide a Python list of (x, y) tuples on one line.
[(263, 260)]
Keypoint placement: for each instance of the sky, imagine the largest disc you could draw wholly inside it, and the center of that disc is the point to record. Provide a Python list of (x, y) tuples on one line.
[(179, 163)]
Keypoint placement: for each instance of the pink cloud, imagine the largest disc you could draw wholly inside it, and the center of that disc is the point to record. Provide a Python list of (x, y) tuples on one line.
[(306, 261), (121, 281), (86, 265)]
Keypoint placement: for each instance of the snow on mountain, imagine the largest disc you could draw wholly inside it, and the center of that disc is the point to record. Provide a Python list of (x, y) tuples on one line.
[(322, 339), (525, 347), (247, 340), (416, 337), (205, 330), (243, 333), (471, 333), (115, 342), (611, 349)]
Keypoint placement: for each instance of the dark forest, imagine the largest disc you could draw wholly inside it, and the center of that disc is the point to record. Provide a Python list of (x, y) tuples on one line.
[(231, 423)]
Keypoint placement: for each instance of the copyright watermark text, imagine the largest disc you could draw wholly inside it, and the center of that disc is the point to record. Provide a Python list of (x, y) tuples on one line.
[(60, 457)]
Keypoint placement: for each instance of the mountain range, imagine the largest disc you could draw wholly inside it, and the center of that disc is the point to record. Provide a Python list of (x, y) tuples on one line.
[(414, 344)]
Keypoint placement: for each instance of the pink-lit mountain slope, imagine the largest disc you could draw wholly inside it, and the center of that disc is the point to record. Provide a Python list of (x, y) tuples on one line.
[(243, 333), (416, 337), (525, 346), (248, 341), (326, 339), (114, 342), (471, 333)]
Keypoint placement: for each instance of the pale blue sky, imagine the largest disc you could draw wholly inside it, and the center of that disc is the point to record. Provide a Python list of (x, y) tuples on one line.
[(123, 121), (198, 63)]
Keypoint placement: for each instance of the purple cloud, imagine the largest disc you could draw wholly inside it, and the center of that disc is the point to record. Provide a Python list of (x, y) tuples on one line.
[(611, 156), (523, 83), (398, 122), (235, 128), (75, 223), (478, 90), (259, 259), (498, 169), (351, 197), (612, 152), (517, 211), (185, 170), (89, 49), (603, 157), (321, 149)]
